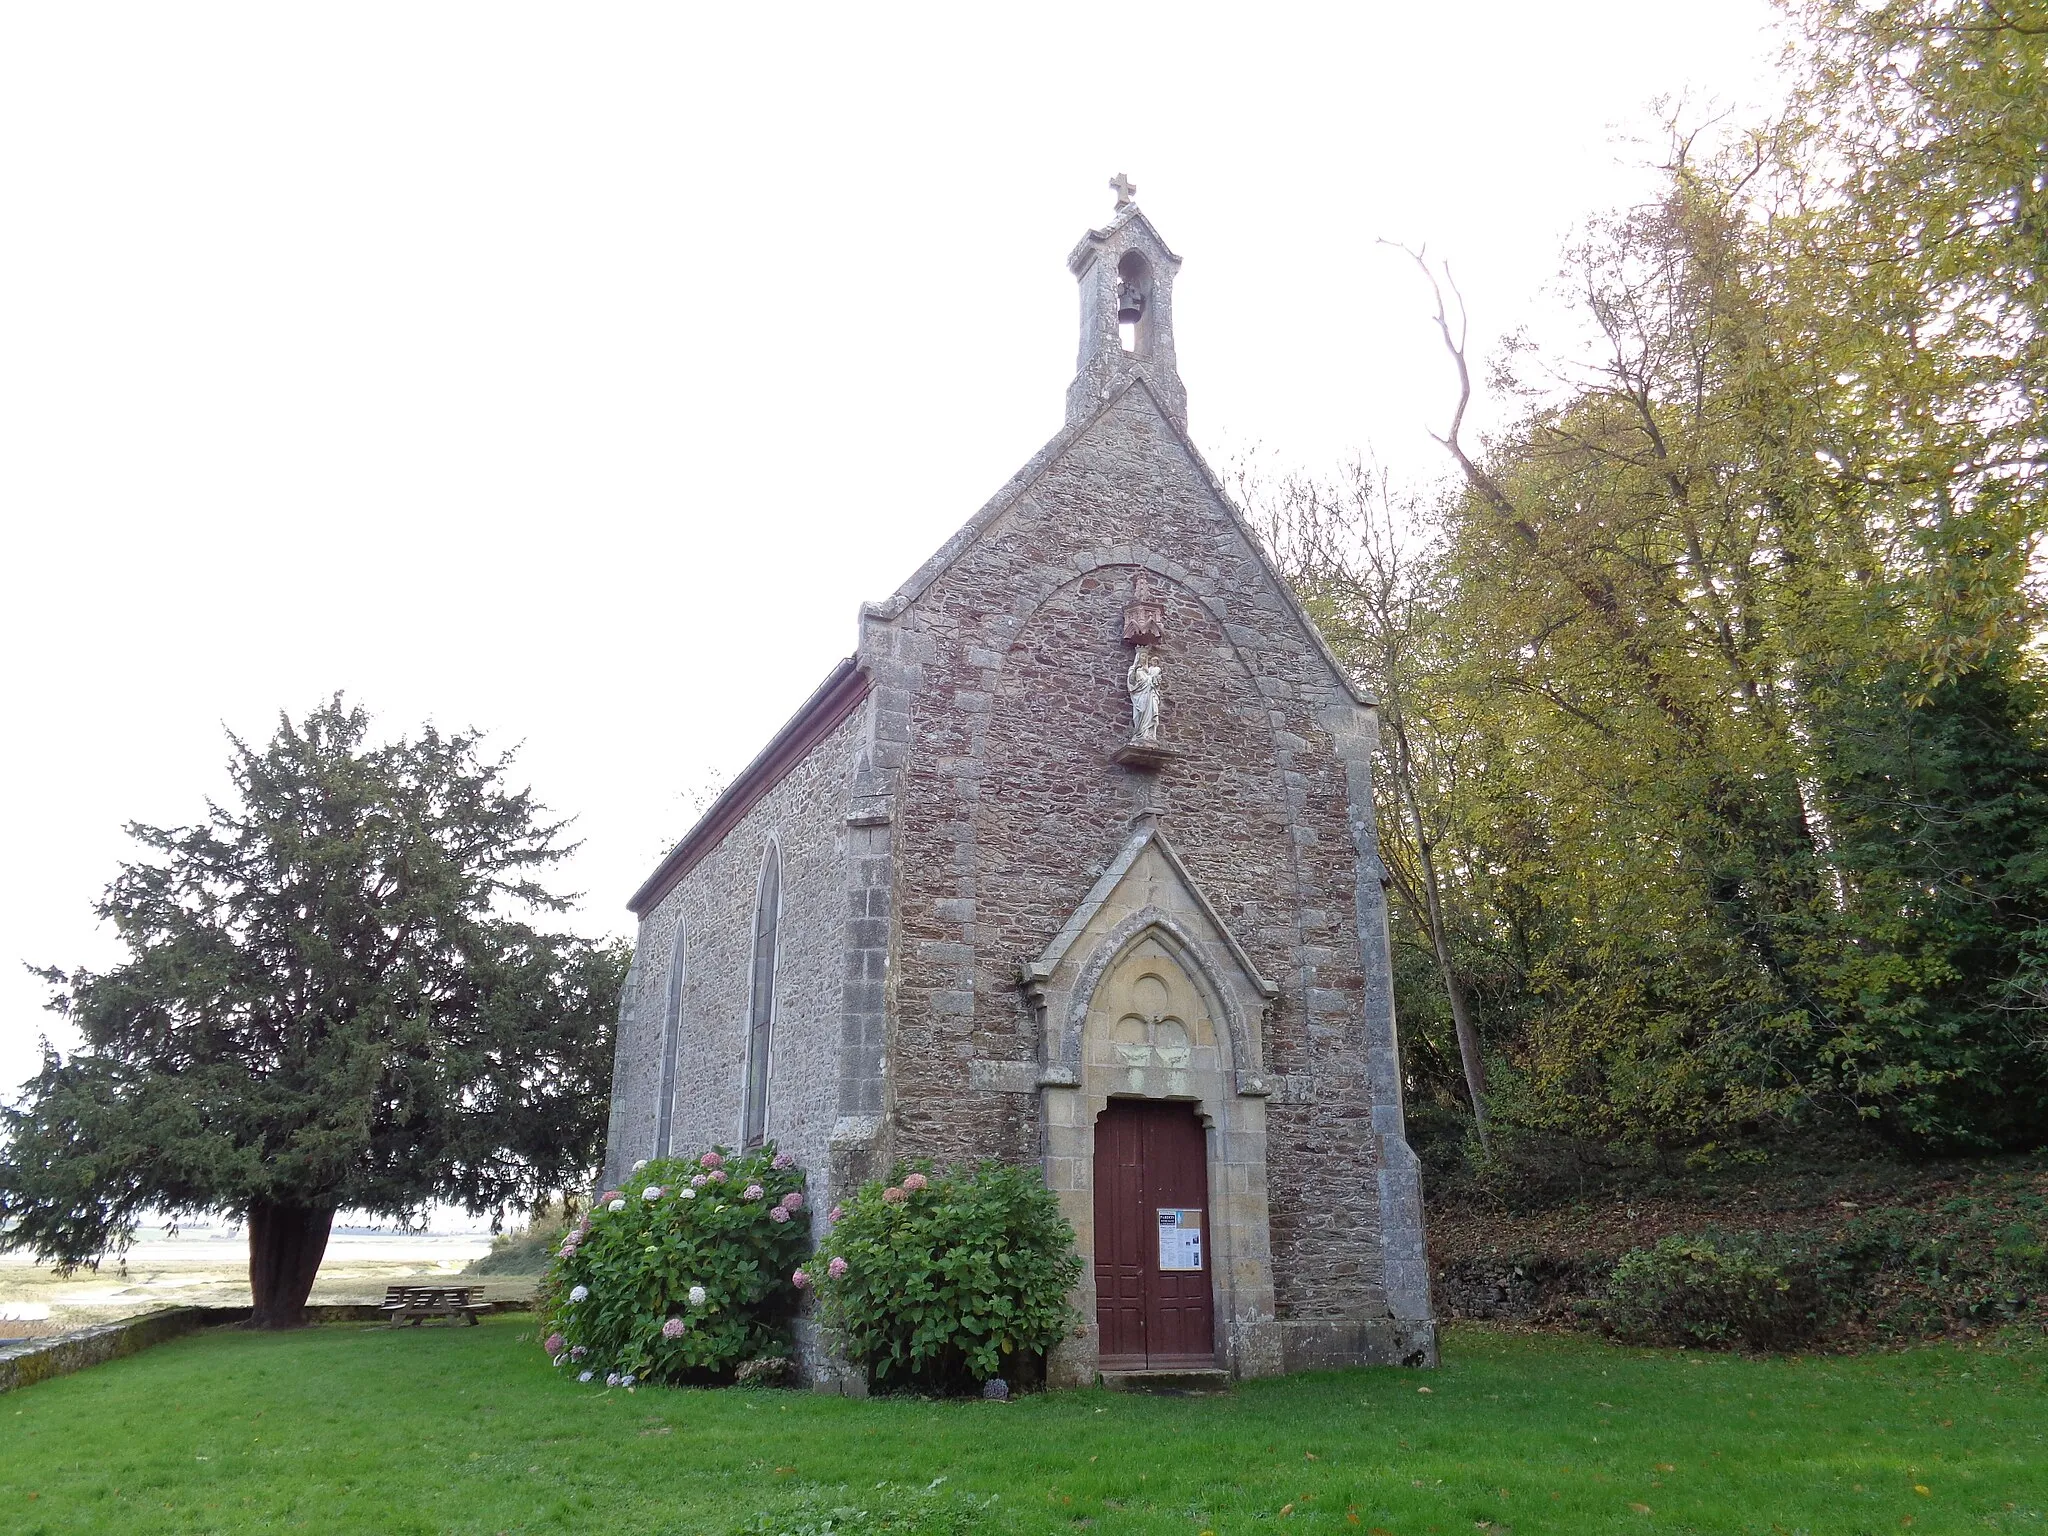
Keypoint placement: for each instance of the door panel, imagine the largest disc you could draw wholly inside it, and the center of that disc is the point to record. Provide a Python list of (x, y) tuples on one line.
[(1151, 1157), (1120, 1240)]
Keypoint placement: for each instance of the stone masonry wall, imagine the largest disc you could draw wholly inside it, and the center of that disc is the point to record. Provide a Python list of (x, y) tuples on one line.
[(806, 814), (1009, 808)]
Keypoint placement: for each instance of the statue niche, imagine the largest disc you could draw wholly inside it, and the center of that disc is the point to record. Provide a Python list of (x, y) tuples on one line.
[(1142, 681), (1144, 628)]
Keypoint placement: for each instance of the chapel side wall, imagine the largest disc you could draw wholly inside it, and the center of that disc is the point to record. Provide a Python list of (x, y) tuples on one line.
[(806, 814), (1010, 809)]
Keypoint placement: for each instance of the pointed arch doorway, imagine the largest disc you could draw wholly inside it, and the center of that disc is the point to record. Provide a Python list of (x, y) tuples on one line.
[(1149, 1007), (1153, 1296)]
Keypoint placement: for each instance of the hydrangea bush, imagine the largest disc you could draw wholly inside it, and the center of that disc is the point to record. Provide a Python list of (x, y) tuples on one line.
[(946, 1280), (682, 1273)]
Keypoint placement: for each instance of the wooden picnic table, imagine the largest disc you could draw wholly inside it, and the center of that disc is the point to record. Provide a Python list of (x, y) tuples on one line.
[(416, 1303)]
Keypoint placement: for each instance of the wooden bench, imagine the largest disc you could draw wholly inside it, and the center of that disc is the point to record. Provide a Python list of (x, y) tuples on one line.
[(416, 1303)]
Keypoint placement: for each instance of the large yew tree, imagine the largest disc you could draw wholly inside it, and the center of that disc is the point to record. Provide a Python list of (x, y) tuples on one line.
[(335, 997)]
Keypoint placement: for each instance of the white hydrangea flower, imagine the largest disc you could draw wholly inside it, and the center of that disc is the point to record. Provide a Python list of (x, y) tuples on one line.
[(639, 1165), (687, 1193), (697, 1295), (581, 1293), (651, 1192), (586, 1376), (616, 1205)]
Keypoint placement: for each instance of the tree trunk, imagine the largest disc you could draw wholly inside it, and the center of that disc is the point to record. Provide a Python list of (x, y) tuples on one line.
[(1469, 1055), (286, 1244)]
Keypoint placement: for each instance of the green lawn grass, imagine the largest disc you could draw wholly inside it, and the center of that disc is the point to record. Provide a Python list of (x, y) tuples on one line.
[(339, 1429)]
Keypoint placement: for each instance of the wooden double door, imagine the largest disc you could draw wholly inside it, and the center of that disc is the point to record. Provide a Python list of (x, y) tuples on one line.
[(1153, 1263)]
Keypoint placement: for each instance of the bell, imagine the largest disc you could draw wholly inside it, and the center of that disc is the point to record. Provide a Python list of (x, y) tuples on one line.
[(1130, 303)]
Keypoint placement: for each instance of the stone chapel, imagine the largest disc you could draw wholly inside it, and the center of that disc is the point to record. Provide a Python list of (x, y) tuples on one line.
[(1072, 862)]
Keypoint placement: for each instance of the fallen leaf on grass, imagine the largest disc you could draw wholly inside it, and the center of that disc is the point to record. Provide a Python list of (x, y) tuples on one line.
[(1922, 1490), (1286, 1509), (1641, 1509), (1425, 1391), (1664, 1466)]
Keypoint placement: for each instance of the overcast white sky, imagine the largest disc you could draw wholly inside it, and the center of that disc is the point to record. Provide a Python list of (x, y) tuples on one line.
[(574, 372)]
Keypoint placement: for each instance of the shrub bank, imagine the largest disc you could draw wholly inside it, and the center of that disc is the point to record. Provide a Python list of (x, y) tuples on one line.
[(1892, 1275)]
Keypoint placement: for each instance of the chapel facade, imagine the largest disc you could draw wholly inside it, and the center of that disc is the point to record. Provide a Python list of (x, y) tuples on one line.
[(1072, 862)]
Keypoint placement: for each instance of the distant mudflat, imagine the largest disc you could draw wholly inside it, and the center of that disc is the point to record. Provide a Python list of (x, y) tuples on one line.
[(208, 1266)]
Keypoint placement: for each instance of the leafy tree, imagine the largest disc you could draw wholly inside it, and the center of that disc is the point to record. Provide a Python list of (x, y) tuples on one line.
[(333, 998), (1715, 724), (1375, 599)]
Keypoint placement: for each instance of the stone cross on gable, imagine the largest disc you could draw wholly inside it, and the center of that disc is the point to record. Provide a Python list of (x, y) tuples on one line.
[(1126, 190)]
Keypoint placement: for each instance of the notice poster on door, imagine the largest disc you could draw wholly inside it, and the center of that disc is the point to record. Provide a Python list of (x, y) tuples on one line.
[(1180, 1239)]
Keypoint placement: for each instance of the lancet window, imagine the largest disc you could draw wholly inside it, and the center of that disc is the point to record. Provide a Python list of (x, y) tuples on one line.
[(761, 1005), (671, 1044)]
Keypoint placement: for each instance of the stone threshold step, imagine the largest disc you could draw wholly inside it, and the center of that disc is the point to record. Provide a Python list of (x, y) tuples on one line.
[(1196, 1380)]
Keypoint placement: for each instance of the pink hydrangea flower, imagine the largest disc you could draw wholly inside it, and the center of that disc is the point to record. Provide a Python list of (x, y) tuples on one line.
[(836, 1268), (752, 1192), (916, 1181), (700, 1181), (608, 1197), (777, 1213), (793, 1201), (801, 1280), (674, 1328), (895, 1194), (555, 1344), (835, 1213), (783, 1160), (577, 1352), (717, 1176), (710, 1160)]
